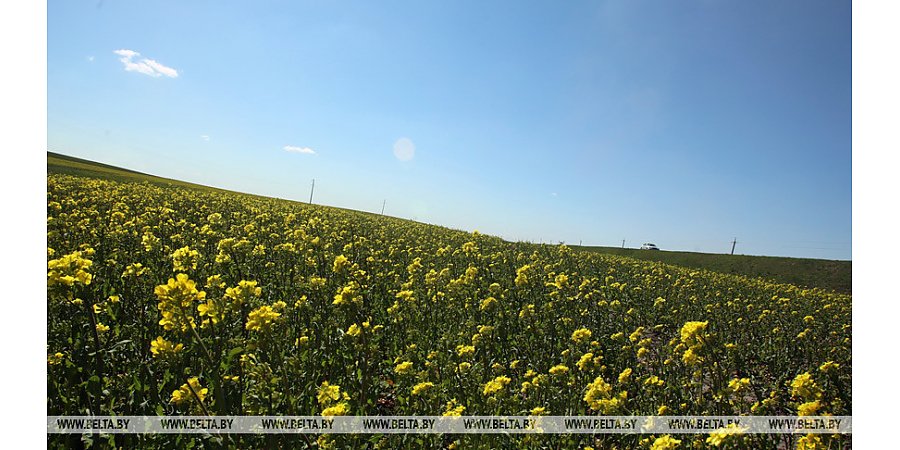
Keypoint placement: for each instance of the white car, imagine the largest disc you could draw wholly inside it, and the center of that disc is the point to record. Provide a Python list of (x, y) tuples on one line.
[(649, 246)]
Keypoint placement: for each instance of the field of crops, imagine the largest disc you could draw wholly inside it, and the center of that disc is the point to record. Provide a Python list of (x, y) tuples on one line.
[(171, 300)]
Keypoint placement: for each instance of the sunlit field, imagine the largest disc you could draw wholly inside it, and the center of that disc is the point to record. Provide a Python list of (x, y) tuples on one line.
[(180, 301)]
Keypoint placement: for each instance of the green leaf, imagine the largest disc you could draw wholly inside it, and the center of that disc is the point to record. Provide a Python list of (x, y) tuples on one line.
[(234, 352)]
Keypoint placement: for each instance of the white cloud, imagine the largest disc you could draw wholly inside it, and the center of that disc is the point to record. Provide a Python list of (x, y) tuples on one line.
[(90, 59), (404, 149), (295, 149), (205, 137), (144, 66), (126, 53)]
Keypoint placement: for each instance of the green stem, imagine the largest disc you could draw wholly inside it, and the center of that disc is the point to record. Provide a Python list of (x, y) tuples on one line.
[(197, 397), (215, 382)]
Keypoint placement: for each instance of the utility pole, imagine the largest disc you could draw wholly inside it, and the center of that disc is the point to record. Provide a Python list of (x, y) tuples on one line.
[(733, 243), (311, 190), (382, 206), (623, 243)]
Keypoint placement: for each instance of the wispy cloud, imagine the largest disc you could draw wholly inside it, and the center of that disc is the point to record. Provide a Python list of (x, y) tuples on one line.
[(90, 59), (144, 66), (404, 149), (303, 150), (205, 137)]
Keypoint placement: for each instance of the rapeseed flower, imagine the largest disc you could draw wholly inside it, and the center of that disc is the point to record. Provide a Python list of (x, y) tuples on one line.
[(261, 319), (160, 347), (183, 394), (666, 442), (581, 334), (559, 370), (496, 385), (175, 300), (69, 270), (184, 259), (422, 388)]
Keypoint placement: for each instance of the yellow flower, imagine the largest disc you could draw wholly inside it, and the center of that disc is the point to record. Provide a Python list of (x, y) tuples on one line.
[(666, 442), (101, 328), (811, 442), (692, 333), (69, 270), (527, 311), (599, 396), (559, 369), (496, 385), (805, 387), (465, 351), (317, 282), (348, 294), (539, 411), (522, 275), (215, 281), (55, 359), (625, 375), (175, 300), (183, 394), (354, 330), (421, 388), (739, 385), (261, 319), (134, 270), (160, 347), (340, 409), (585, 361), (149, 241), (581, 335), (722, 435), (808, 408), (829, 367), (327, 393), (404, 367), (340, 263), (212, 309), (561, 281), (453, 409), (690, 357), (242, 293), (184, 259), (633, 337)]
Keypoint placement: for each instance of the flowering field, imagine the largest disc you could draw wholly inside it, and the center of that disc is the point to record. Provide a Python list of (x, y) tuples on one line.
[(175, 301)]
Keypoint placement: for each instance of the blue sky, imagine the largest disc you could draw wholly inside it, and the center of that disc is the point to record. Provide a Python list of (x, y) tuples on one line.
[(681, 123)]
